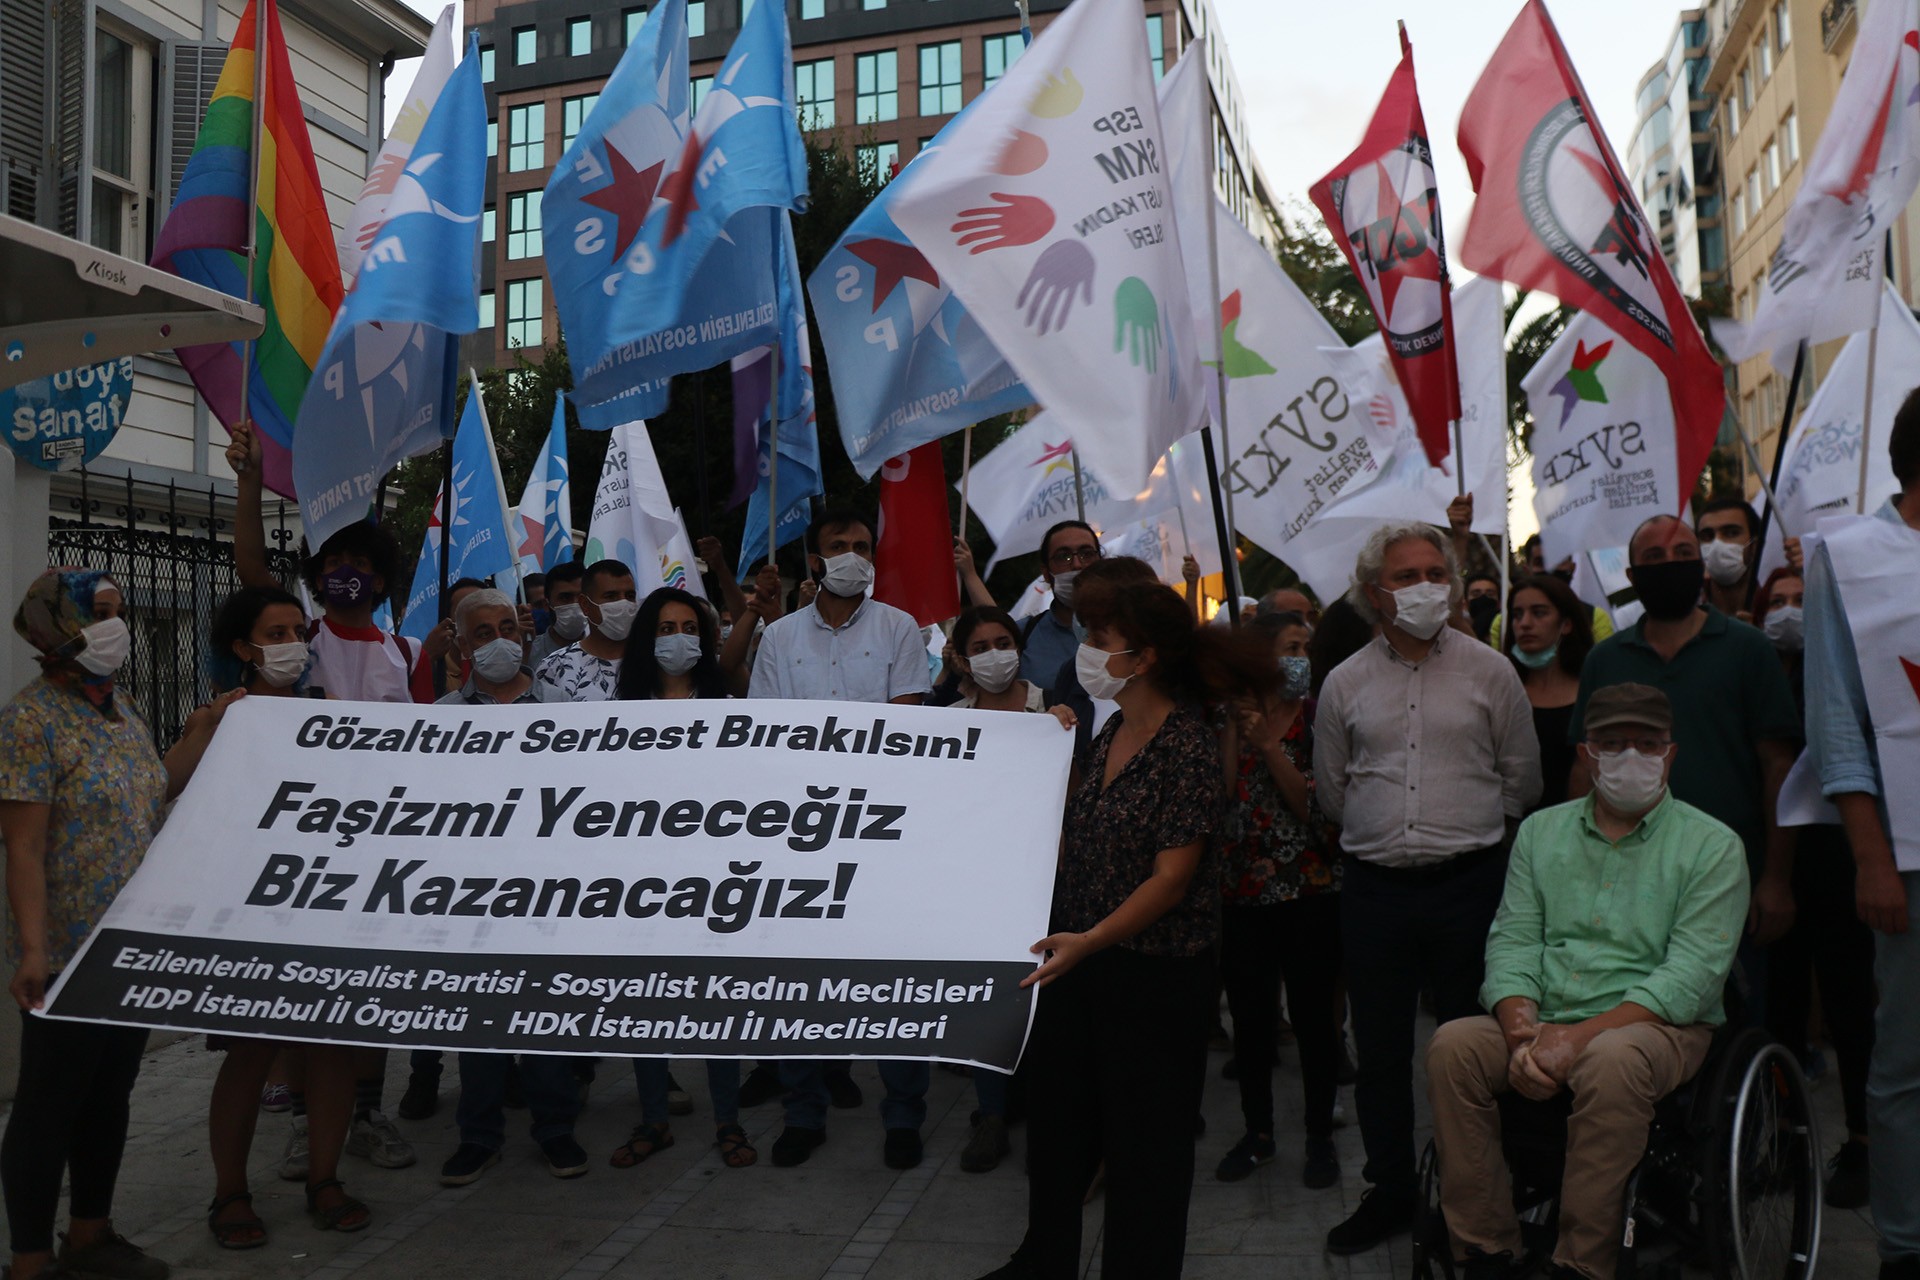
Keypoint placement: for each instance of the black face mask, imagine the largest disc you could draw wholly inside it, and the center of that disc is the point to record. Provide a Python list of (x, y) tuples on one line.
[(1670, 589), (1483, 610)]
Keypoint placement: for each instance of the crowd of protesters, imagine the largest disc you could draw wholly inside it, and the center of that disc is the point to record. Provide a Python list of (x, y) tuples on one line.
[(1566, 838)]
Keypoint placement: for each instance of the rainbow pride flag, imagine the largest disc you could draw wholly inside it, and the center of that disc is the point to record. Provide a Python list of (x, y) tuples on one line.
[(296, 269)]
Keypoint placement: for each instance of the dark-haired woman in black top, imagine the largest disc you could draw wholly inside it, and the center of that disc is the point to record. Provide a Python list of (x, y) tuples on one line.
[(1548, 636)]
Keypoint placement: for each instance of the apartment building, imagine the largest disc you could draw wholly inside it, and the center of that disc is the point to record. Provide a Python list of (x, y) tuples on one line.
[(1673, 162)]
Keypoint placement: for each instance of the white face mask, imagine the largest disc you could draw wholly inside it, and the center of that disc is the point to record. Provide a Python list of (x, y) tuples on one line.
[(108, 643), (1726, 561), (282, 665), (1784, 627), (994, 669), (1090, 665), (498, 661), (1422, 609), (1630, 783), (616, 618), (1063, 588), (676, 654), (847, 575), (569, 622)]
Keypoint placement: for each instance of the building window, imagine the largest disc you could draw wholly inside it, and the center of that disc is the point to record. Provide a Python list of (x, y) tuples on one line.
[(486, 225), (1733, 118), (1753, 193), (486, 309), (876, 87), (579, 37), (1764, 55), (997, 53), (486, 64), (1782, 25), (122, 143), (940, 78), (493, 138), (1746, 89), (873, 4), (631, 22), (573, 117), (523, 225), (525, 47), (1157, 45), (813, 92), (812, 9), (525, 301), (702, 86), (526, 137), (877, 162), (696, 17), (1790, 130), (1770, 159), (1739, 213)]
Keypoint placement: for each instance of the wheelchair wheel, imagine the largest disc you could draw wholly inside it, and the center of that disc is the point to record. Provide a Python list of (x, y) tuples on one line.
[(1763, 1208), (1432, 1252)]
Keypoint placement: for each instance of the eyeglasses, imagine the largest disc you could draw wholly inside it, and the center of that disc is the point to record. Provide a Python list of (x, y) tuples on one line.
[(1614, 746), (1068, 557)]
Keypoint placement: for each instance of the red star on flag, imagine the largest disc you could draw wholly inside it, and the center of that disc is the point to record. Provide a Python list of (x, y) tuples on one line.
[(678, 190), (535, 540), (628, 197), (1913, 675), (892, 262), (1422, 266)]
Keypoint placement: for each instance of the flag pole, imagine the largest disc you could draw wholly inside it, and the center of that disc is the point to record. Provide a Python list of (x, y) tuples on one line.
[(1780, 445), (1229, 563), (773, 458), (1079, 491), (1222, 500), (253, 193), (966, 466)]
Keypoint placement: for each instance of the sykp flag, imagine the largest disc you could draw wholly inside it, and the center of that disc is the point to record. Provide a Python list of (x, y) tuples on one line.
[(909, 364), (1382, 204), (595, 206), (478, 542), (797, 481), (383, 388), (545, 515), (753, 398), (1048, 209)]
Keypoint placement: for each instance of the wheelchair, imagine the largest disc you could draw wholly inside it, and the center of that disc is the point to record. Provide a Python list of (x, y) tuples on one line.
[(1730, 1181)]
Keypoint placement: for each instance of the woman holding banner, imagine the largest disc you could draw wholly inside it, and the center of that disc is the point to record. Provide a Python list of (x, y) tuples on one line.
[(81, 794), (1119, 1040), (258, 643), (673, 651)]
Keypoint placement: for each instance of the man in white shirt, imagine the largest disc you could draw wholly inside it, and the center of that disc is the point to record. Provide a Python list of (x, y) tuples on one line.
[(845, 647), (589, 669), (1425, 753)]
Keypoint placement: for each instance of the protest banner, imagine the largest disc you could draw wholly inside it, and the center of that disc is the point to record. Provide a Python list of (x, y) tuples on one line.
[(715, 879)]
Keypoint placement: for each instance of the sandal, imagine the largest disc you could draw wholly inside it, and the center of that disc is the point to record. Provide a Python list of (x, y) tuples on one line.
[(236, 1233), (341, 1217), (735, 1151), (646, 1140)]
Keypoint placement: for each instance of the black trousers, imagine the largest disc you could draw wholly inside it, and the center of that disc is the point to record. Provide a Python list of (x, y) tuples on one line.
[(1405, 931), (69, 1119), (1114, 1069), (1827, 942), (1298, 941)]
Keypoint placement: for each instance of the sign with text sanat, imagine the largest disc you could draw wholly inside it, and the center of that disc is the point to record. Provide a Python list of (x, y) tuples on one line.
[(717, 879)]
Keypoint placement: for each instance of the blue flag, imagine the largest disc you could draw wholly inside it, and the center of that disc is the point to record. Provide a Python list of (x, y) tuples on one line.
[(480, 545), (609, 188), (799, 431), (909, 364), (544, 519), (637, 403), (383, 389)]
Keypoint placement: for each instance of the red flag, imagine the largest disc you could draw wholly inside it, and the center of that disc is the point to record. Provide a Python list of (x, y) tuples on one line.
[(913, 563), (1382, 205), (1557, 213)]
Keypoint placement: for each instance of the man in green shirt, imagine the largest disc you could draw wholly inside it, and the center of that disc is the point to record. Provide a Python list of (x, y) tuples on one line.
[(1605, 967)]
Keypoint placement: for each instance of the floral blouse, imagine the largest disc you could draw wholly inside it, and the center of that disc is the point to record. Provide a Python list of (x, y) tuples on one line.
[(1268, 855), (1166, 796)]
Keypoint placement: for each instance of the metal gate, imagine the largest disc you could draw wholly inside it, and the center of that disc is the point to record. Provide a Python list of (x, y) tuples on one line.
[(171, 551)]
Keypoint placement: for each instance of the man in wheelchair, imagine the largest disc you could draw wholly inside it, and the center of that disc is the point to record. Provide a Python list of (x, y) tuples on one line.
[(1604, 970)]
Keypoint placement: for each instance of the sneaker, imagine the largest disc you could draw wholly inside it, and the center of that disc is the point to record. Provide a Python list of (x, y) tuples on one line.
[(565, 1157), (1322, 1168), (422, 1097), (1248, 1154), (987, 1147), (679, 1101), (1847, 1176), (903, 1149), (1382, 1215), (795, 1144), (111, 1257), (276, 1098), (843, 1092), (761, 1085), (376, 1138), (294, 1161), (1487, 1266), (467, 1163)]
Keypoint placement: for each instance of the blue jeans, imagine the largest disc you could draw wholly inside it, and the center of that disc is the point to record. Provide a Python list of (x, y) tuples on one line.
[(1893, 1086), (547, 1081), (903, 1107), (723, 1082)]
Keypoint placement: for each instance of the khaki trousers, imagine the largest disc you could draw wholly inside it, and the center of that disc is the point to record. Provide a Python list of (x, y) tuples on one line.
[(1615, 1085)]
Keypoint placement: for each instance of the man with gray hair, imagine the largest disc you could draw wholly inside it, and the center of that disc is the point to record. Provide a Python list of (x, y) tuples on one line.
[(1425, 756), (486, 629)]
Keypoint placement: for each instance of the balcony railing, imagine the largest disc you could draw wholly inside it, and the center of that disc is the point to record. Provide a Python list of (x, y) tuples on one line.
[(1834, 16)]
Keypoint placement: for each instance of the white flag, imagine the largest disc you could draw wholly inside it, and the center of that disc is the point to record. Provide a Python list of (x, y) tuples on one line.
[(1825, 277), (370, 210), (1820, 476), (1186, 116), (1047, 209), (634, 521)]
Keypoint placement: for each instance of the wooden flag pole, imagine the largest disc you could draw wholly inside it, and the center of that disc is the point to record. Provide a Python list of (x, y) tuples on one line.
[(253, 192), (1866, 413)]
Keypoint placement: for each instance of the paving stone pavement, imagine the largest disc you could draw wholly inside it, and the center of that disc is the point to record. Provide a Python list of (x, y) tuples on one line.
[(684, 1216)]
